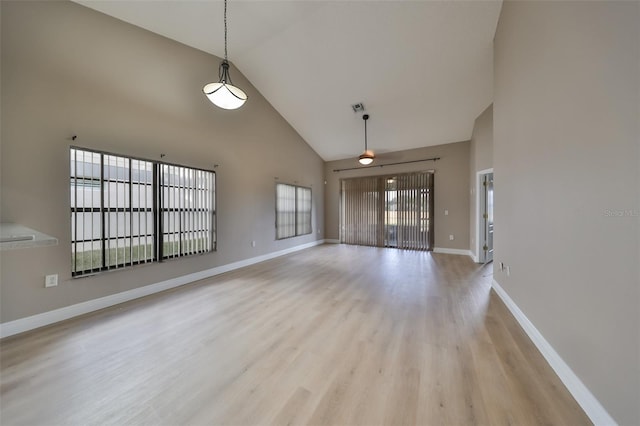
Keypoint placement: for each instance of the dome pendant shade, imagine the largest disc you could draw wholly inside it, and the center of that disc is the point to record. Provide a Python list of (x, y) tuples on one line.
[(367, 156), (223, 94)]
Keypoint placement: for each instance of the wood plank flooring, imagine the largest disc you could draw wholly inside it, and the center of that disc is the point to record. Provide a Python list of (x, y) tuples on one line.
[(333, 335)]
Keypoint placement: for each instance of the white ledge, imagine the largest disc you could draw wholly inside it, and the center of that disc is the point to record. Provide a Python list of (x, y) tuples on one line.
[(14, 236)]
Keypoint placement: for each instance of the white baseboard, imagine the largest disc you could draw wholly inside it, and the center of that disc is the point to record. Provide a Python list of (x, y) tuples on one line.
[(583, 396), (331, 241), (461, 252), (46, 318)]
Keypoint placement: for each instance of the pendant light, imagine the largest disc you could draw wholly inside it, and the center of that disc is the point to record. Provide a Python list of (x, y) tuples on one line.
[(367, 156), (223, 93)]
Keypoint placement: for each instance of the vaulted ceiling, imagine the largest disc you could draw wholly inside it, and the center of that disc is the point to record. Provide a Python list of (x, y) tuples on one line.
[(423, 69)]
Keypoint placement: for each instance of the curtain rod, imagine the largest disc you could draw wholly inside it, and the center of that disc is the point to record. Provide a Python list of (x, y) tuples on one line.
[(388, 164)]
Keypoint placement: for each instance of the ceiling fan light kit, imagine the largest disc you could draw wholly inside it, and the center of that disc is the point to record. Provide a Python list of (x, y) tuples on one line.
[(366, 158)]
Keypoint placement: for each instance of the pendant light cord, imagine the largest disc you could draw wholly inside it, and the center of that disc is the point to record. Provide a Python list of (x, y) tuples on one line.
[(365, 135), (365, 118), (225, 30)]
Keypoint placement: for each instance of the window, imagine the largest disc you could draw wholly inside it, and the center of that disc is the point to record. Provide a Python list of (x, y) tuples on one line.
[(127, 211), (293, 211), (187, 206)]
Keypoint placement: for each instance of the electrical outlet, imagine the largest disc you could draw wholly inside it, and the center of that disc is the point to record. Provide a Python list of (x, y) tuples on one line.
[(253, 243), (446, 212), (51, 280), (451, 237)]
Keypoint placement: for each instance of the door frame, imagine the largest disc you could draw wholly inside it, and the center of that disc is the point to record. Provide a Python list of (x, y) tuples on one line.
[(479, 257)]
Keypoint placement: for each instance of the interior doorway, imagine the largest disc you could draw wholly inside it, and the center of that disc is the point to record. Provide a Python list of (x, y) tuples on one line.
[(484, 223)]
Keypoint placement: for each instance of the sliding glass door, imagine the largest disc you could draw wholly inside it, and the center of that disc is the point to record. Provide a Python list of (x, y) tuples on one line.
[(388, 211)]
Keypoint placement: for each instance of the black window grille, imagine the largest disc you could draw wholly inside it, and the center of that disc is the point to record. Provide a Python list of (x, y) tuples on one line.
[(118, 211)]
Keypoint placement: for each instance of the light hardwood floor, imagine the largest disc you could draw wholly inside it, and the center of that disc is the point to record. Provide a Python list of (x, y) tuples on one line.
[(336, 334)]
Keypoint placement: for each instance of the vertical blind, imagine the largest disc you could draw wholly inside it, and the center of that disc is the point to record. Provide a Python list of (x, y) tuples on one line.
[(363, 211), (303, 210), (285, 211), (293, 210), (388, 211)]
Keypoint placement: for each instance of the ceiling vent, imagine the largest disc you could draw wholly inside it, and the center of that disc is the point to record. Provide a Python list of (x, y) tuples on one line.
[(359, 107)]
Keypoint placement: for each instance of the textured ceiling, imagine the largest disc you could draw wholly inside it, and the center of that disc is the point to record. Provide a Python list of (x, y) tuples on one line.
[(423, 69)]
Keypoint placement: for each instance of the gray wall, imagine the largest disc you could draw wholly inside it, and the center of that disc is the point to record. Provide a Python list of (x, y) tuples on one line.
[(70, 70), (451, 183), (567, 185), (480, 158)]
